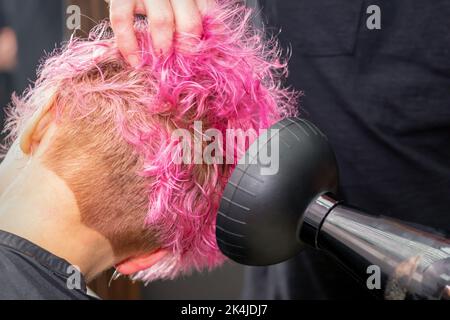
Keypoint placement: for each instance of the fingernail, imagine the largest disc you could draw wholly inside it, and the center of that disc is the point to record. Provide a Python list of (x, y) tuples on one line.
[(133, 60)]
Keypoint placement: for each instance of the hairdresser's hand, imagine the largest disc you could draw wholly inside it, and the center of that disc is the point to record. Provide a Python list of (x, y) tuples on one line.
[(165, 17)]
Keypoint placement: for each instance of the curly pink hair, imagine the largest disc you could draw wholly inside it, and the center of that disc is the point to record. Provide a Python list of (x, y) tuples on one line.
[(229, 79)]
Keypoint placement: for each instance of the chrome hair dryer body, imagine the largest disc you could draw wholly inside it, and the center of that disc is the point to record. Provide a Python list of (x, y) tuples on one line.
[(268, 216)]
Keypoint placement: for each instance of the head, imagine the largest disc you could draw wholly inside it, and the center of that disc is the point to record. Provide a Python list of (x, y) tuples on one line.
[(106, 129)]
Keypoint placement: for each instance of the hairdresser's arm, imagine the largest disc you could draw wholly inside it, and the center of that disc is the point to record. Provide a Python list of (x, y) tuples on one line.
[(8, 49), (165, 17)]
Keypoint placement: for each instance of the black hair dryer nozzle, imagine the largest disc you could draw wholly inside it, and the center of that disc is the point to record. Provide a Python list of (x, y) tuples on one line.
[(268, 216)]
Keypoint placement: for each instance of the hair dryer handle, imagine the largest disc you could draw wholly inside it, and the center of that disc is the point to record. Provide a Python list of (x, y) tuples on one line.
[(394, 260)]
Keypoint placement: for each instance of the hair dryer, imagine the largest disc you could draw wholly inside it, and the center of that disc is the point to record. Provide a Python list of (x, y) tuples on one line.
[(266, 218)]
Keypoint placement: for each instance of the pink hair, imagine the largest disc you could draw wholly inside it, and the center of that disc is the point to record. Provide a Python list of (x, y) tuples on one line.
[(228, 79)]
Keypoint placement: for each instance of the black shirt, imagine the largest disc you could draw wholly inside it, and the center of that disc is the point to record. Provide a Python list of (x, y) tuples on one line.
[(383, 99), (28, 272)]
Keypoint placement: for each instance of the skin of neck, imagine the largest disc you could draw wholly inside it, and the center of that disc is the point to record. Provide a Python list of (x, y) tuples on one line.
[(39, 206)]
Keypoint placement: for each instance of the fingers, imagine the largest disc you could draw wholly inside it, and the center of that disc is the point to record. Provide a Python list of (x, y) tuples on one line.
[(164, 16), (188, 19), (122, 22), (161, 23), (205, 5)]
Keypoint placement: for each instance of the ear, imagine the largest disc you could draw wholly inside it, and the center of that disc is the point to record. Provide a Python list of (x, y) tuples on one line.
[(36, 127), (142, 262)]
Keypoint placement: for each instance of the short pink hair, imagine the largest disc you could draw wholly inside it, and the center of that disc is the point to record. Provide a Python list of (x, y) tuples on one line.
[(228, 79)]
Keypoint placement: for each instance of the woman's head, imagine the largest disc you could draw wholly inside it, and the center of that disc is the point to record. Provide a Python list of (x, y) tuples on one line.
[(115, 148)]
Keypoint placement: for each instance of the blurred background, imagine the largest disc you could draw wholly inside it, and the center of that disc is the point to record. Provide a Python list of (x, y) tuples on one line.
[(31, 29)]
